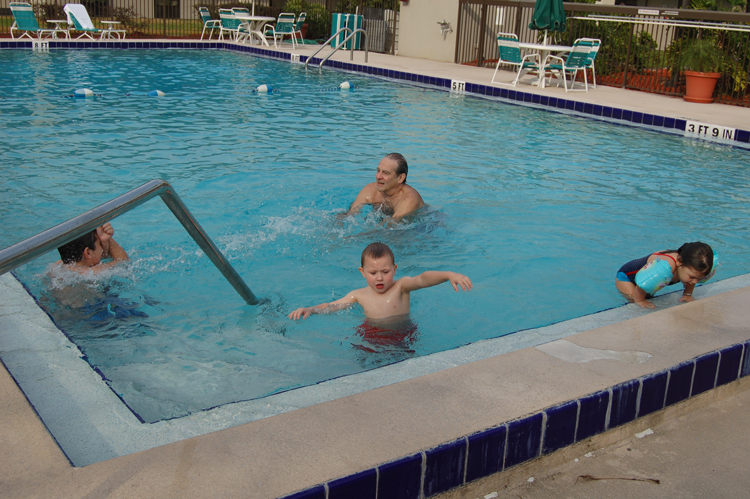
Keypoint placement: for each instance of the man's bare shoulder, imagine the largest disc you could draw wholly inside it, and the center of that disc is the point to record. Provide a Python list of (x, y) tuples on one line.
[(413, 195), (369, 190)]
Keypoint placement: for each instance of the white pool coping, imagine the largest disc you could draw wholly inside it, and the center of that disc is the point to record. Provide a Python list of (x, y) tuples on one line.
[(92, 424)]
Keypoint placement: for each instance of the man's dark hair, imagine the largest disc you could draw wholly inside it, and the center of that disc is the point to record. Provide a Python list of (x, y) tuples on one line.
[(401, 166), (377, 250), (72, 252)]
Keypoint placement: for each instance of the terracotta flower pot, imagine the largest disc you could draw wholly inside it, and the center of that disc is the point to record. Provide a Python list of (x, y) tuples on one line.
[(699, 87)]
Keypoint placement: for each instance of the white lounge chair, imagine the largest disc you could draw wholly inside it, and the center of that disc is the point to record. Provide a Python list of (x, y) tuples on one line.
[(510, 54), (78, 17)]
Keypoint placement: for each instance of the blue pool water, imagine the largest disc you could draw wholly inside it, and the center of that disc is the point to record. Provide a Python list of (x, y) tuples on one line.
[(539, 209)]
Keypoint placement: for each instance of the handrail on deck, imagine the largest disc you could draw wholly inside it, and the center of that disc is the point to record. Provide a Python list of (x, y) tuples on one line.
[(326, 44), (29, 249), (351, 50)]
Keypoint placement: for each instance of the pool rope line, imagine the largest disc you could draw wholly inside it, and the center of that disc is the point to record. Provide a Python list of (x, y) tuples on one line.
[(613, 115), (85, 93)]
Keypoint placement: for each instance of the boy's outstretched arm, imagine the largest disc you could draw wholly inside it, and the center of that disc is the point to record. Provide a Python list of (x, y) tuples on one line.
[(324, 308), (433, 278)]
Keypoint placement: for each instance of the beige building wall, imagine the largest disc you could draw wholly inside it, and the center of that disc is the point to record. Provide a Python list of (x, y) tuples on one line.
[(420, 34)]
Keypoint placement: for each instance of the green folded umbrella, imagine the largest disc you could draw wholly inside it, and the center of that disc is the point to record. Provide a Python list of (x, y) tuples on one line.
[(549, 15)]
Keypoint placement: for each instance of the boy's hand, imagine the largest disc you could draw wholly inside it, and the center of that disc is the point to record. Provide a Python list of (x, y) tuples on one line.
[(457, 280), (105, 233), (303, 312), (686, 299), (645, 304)]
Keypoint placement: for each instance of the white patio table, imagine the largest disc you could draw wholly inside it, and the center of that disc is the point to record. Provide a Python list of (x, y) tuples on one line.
[(544, 51), (61, 25), (255, 25)]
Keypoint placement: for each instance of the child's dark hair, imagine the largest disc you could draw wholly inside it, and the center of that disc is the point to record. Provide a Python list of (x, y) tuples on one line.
[(72, 252), (698, 255), (377, 250)]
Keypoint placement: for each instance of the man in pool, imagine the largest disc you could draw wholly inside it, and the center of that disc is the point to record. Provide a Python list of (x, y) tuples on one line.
[(384, 297), (389, 192), (87, 252)]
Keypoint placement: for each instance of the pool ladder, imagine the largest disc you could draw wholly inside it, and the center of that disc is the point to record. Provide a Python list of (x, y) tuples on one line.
[(346, 39), (29, 249)]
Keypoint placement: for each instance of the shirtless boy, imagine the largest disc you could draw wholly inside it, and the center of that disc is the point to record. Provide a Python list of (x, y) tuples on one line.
[(389, 191), (384, 296), (87, 252)]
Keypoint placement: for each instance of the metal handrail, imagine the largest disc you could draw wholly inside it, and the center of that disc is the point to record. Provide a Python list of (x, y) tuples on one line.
[(29, 249), (326, 44), (351, 50)]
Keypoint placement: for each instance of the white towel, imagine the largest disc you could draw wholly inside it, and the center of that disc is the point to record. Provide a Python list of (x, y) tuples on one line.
[(80, 13)]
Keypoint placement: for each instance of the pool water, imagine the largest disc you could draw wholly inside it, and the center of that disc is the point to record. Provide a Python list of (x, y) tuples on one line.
[(539, 209)]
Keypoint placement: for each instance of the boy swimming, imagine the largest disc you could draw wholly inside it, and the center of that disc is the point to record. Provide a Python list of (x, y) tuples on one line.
[(384, 296), (87, 252)]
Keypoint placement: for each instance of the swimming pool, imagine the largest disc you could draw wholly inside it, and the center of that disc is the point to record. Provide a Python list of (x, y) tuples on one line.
[(505, 209)]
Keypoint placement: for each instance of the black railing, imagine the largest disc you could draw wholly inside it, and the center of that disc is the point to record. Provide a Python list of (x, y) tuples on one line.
[(180, 18)]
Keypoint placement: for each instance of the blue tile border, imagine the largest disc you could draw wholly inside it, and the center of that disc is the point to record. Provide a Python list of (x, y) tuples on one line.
[(512, 443), (444, 467)]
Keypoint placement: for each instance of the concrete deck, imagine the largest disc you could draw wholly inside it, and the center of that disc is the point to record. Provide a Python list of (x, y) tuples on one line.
[(278, 455)]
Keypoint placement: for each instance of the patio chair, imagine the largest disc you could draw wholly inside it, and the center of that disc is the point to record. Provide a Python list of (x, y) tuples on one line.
[(595, 44), (78, 17), (510, 54), (298, 26), (567, 69), (236, 29), (284, 26), (25, 20), (208, 23)]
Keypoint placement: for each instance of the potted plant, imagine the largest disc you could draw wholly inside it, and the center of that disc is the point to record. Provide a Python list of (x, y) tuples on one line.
[(701, 62)]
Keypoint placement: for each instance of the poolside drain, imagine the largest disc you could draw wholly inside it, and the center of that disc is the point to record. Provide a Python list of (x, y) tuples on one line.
[(570, 352)]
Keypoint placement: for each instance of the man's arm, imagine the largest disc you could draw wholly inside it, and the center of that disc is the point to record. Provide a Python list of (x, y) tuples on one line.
[(325, 308), (365, 196), (433, 278)]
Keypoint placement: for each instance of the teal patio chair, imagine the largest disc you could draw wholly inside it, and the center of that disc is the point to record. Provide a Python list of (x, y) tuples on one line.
[(595, 45), (298, 26), (235, 28), (208, 23), (25, 20), (510, 55), (284, 26), (567, 69), (78, 17)]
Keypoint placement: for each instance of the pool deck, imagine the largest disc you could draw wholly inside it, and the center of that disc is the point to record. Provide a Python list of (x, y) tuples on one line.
[(303, 448)]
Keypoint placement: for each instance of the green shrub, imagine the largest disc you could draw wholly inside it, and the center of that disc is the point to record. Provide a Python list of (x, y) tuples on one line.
[(318, 18), (703, 56), (129, 20)]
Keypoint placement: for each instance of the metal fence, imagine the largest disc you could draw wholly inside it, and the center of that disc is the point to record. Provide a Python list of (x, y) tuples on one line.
[(180, 18), (641, 51)]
